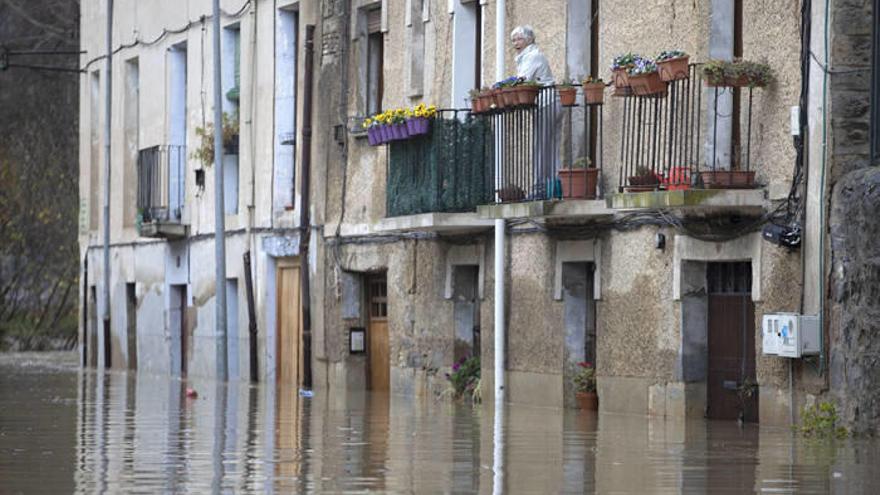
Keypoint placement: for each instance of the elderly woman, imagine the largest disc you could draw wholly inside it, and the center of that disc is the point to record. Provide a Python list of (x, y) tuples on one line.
[(531, 64)]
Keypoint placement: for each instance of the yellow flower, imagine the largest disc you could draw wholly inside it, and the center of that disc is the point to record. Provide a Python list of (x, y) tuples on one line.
[(366, 123)]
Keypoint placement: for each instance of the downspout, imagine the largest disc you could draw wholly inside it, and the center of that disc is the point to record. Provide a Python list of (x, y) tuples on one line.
[(219, 209), (108, 99), (304, 220), (85, 315), (500, 351)]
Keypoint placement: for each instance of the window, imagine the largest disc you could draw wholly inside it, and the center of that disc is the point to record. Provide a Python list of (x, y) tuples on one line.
[(416, 17), (176, 130), (375, 56), (131, 129), (875, 88), (466, 50), (286, 37), (230, 83)]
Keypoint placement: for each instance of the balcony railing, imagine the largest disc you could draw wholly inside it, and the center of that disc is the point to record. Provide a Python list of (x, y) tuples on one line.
[(161, 183), (691, 136), (442, 171), (535, 145)]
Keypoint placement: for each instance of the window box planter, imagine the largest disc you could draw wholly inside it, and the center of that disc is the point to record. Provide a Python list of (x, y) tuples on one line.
[(526, 95), (374, 136), (679, 179), (417, 126), (567, 95), (642, 183), (647, 84), (673, 69), (594, 93), (728, 179), (579, 183)]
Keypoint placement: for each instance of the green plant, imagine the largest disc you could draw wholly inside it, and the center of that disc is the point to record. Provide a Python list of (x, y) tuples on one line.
[(567, 83), (726, 72), (205, 151), (531, 83), (820, 421), (644, 172), (670, 54), (465, 377), (474, 93), (593, 80), (582, 162), (624, 61), (584, 378)]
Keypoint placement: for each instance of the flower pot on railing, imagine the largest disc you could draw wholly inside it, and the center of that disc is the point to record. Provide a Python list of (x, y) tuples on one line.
[(644, 181), (728, 179), (594, 93), (737, 73), (578, 183), (567, 95), (386, 133), (417, 126), (373, 136), (497, 99), (510, 96), (399, 131), (587, 401), (647, 84), (678, 179), (673, 69), (486, 101), (527, 95)]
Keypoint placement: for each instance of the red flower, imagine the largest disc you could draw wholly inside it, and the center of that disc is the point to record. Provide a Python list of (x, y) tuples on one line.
[(584, 364)]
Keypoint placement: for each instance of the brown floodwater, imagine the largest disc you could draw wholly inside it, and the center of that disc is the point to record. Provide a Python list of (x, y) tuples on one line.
[(64, 430)]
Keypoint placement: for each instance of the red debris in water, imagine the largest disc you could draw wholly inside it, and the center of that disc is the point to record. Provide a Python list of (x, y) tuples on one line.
[(191, 393)]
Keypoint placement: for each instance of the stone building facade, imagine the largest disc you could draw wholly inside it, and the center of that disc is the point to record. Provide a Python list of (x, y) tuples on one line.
[(641, 284)]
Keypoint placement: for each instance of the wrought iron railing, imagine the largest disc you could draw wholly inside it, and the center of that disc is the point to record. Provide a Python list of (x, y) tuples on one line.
[(662, 138), (535, 145), (161, 183), (441, 171)]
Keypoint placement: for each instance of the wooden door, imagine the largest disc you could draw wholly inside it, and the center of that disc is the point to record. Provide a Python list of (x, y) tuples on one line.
[(377, 334), (732, 391), (288, 356)]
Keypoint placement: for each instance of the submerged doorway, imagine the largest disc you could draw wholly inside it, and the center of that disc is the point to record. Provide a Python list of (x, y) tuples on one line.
[(466, 311), (289, 365), (732, 386), (377, 334), (177, 327)]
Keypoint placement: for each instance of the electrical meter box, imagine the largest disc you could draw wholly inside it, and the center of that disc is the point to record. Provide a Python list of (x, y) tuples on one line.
[(790, 335)]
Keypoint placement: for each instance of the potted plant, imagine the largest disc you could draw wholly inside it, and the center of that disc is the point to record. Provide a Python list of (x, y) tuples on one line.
[(644, 180), (619, 75), (419, 119), (673, 65), (503, 90), (737, 73), (372, 127), (728, 179), (398, 124), (567, 90), (594, 91), (579, 181), (205, 151), (476, 102), (585, 387), (527, 92), (487, 102), (644, 78), (678, 179)]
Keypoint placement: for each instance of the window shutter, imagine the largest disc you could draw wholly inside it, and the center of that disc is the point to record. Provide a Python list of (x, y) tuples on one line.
[(374, 21)]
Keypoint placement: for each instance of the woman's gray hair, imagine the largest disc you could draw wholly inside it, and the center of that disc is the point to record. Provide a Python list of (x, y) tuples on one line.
[(524, 32)]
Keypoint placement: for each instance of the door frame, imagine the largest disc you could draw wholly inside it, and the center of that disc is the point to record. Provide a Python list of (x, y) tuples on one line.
[(280, 264), (369, 279)]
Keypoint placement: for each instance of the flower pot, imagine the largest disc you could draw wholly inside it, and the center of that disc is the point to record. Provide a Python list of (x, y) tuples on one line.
[(620, 78), (510, 193), (587, 401), (679, 179), (642, 183), (417, 126), (373, 136), (578, 182), (526, 95), (594, 93), (731, 82), (673, 69), (498, 99), (728, 179), (476, 105), (384, 133), (486, 102), (567, 95), (647, 84)]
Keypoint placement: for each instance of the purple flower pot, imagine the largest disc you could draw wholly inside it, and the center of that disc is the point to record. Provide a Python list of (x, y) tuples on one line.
[(398, 132), (373, 136), (417, 126), (385, 133)]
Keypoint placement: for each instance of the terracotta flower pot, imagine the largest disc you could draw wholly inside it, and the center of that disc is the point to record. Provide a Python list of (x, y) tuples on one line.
[(673, 69), (587, 401), (728, 179), (648, 84), (476, 105), (578, 182), (567, 95), (620, 78), (526, 95), (486, 102), (642, 183), (594, 93), (679, 179), (498, 99)]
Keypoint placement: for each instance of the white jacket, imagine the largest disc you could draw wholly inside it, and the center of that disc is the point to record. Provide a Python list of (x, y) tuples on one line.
[(531, 64)]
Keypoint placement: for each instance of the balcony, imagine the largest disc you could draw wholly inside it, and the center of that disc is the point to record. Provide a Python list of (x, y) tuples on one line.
[(161, 191), (546, 161), (688, 148), (435, 181)]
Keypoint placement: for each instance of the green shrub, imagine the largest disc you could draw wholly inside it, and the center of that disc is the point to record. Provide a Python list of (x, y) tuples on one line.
[(465, 378), (820, 421)]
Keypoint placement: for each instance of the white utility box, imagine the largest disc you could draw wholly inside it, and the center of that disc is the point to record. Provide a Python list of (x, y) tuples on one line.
[(790, 335)]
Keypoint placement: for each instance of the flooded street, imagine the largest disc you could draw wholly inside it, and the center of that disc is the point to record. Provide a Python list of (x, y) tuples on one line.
[(63, 430)]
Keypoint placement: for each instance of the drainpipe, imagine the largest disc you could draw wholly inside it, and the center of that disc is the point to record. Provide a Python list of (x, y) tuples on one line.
[(85, 310), (108, 99), (219, 208), (500, 352), (304, 207)]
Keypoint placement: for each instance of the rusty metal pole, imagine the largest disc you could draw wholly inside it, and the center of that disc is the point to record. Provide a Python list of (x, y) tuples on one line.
[(304, 219)]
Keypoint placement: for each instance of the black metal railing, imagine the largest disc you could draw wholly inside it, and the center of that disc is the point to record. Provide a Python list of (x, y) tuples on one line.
[(661, 137), (534, 145), (161, 183), (441, 171)]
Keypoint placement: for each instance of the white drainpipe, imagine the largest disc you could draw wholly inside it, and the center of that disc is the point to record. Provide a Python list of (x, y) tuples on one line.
[(500, 351)]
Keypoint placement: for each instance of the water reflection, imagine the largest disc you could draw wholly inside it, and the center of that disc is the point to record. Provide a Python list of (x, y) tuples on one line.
[(64, 430)]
